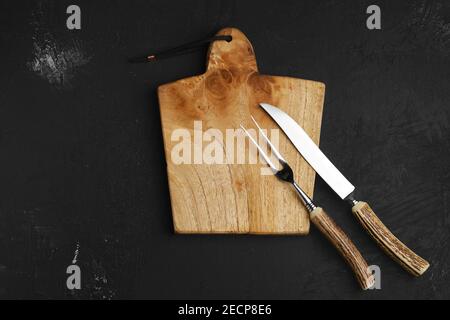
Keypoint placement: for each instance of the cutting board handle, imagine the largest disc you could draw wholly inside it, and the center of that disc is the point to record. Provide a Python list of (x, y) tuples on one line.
[(236, 55)]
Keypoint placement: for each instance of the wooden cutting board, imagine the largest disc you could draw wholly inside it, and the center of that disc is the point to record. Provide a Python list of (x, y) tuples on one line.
[(233, 197)]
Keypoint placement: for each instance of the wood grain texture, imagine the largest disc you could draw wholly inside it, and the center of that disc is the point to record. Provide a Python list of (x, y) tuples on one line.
[(236, 198), (344, 245), (396, 249)]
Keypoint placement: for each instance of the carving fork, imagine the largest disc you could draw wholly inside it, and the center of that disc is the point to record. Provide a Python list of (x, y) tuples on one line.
[(318, 216)]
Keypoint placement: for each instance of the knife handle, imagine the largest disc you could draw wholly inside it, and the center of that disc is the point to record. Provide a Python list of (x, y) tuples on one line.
[(398, 251), (344, 245)]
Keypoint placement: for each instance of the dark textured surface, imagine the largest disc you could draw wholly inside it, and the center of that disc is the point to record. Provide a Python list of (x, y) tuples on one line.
[(82, 155)]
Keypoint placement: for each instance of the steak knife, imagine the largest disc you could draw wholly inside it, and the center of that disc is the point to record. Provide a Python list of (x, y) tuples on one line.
[(397, 250)]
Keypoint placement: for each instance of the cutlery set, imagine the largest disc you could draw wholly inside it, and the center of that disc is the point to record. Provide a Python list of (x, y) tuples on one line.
[(398, 251)]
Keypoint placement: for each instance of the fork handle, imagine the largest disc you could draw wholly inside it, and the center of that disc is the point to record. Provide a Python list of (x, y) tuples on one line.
[(396, 249), (344, 245)]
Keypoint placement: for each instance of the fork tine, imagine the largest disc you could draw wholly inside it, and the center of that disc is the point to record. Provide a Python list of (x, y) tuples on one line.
[(272, 147), (261, 151)]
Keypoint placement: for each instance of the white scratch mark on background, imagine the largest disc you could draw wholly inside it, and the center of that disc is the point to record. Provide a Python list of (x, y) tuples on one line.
[(57, 65), (54, 59)]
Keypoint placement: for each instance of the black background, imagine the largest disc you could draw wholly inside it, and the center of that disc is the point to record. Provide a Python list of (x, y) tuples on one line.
[(81, 161)]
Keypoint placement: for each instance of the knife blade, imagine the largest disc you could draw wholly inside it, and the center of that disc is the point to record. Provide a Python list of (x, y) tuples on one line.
[(409, 260), (309, 150)]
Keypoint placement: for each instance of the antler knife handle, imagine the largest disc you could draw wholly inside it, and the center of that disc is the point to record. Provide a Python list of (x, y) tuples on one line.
[(398, 251), (344, 245)]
